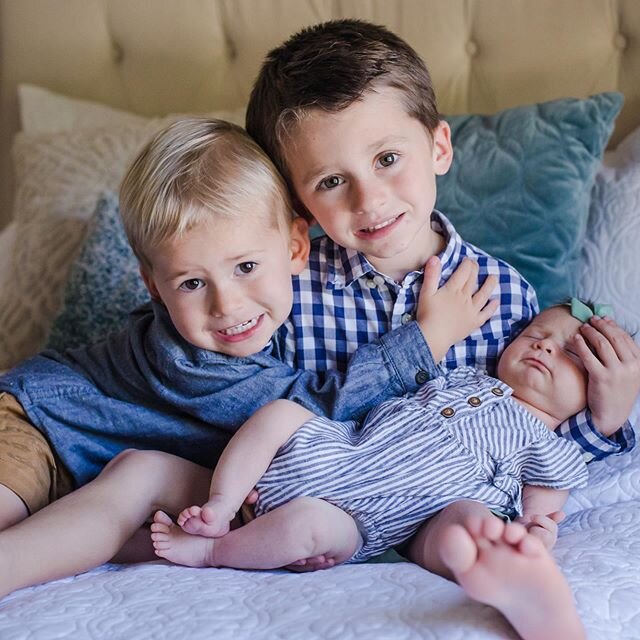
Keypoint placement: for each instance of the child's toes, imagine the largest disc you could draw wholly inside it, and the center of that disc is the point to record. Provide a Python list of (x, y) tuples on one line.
[(514, 532)]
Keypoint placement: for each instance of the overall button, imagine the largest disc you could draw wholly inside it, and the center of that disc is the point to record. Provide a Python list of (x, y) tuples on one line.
[(422, 376), (497, 391), (448, 412), (474, 401), (406, 318)]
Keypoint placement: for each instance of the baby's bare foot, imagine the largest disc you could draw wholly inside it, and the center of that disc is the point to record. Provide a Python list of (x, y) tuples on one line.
[(172, 543), (510, 569), (212, 520)]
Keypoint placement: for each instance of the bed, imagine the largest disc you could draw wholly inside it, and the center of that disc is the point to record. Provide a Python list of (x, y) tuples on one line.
[(83, 83)]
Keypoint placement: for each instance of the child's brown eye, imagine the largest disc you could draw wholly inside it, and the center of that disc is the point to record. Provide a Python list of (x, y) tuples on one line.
[(192, 284), (331, 182), (388, 159), (247, 267)]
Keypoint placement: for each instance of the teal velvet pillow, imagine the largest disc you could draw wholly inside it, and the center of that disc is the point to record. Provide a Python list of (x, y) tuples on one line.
[(104, 283), (520, 184)]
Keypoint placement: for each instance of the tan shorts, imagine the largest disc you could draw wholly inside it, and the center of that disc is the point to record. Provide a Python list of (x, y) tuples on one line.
[(28, 465)]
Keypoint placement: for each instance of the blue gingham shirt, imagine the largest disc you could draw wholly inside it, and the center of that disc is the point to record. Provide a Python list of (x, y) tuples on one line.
[(342, 302)]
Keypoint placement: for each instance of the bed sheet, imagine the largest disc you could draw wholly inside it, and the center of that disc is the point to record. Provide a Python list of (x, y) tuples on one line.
[(598, 549)]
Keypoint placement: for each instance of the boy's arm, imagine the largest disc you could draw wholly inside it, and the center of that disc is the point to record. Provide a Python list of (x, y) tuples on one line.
[(445, 315), (612, 361), (397, 363)]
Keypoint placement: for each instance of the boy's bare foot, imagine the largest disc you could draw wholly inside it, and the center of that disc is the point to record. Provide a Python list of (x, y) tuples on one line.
[(212, 520), (505, 566), (172, 543)]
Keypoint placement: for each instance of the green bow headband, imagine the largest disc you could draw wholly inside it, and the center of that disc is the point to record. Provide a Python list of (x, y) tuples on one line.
[(583, 311)]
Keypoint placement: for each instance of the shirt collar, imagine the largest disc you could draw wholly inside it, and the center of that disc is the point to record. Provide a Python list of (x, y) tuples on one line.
[(344, 266), (453, 250)]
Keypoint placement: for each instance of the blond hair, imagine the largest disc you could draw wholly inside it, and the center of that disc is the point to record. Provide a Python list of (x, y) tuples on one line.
[(192, 171)]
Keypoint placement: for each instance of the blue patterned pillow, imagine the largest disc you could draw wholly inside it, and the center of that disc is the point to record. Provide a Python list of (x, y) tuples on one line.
[(104, 284), (520, 184)]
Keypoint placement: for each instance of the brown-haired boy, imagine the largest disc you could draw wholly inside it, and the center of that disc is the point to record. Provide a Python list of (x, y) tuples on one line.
[(347, 111)]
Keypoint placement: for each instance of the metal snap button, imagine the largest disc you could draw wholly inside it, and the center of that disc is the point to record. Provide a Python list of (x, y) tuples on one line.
[(448, 412), (422, 376), (474, 401), (497, 391)]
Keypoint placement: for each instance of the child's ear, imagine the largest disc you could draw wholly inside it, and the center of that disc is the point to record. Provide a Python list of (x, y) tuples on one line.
[(150, 284), (299, 245), (442, 148)]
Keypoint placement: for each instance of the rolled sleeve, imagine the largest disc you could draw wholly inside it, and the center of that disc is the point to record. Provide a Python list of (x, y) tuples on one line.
[(596, 446), (408, 353)]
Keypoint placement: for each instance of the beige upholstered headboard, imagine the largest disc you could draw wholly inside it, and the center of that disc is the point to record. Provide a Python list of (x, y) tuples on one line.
[(160, 56)]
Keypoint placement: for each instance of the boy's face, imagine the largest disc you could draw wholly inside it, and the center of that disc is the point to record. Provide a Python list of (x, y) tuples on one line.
[(543, 368), (227, 283), (367, 175)]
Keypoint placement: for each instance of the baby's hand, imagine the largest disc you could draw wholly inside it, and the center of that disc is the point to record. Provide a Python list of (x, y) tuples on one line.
[(612, 361), (308, 565), (212, 520), (543, 527), (450, 313)]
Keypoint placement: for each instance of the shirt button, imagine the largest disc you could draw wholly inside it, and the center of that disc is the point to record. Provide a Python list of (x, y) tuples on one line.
[(371, 284), (448, 412), (474, 401), (497, 391), (378, 280), (422, 376), (406, 318)]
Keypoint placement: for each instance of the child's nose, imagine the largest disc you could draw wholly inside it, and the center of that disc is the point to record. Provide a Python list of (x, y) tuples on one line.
[(223, 301), (368, 196), (545, 345)]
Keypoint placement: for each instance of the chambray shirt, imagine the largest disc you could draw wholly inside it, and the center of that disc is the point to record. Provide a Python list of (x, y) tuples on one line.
[(341, 303), (148, 388)]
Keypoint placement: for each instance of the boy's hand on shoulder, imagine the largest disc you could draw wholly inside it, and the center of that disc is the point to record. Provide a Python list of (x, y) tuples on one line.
[(612, 361), (451, 312)]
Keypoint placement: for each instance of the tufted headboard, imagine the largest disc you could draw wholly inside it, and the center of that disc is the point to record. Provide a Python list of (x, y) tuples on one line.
[(157, 56)]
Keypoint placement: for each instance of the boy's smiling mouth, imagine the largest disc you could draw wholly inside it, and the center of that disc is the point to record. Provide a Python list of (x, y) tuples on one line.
[(368, 231), (242, 328)]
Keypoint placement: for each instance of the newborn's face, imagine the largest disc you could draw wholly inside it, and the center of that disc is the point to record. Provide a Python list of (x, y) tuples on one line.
[(542, 365)]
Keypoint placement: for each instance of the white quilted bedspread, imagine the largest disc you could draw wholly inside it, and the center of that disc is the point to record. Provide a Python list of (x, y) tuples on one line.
[(599, 551)]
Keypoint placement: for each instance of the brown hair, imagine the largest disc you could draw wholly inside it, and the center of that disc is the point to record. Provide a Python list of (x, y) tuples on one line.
[(191, 171), (329, 66)]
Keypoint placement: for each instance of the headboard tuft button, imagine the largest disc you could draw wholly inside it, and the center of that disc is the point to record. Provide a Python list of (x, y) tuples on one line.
[(471, 48), (620, 42), (117, 53)]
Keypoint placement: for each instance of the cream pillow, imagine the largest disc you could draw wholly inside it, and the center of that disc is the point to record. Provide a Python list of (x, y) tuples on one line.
[(59, 178), (610, 255), (44, 111)]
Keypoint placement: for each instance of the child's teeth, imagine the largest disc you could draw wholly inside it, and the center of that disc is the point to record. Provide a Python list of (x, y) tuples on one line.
[(381, 225), (240, 328)]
